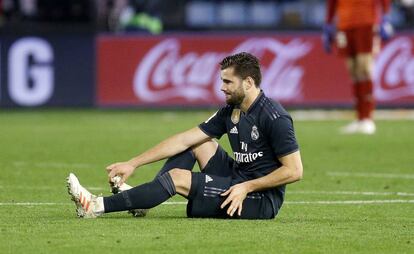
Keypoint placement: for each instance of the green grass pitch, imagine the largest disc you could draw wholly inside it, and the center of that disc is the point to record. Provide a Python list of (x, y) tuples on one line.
[(357, 195)]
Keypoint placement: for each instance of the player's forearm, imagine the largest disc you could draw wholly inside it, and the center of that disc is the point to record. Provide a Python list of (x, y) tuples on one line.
[(165, 149), (170, 146), (282, 175)]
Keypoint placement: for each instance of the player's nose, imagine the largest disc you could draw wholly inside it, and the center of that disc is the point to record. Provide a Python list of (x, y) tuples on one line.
[(223, 87)]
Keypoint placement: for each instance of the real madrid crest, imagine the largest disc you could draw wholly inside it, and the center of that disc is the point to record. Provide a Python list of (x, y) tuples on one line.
[(235, 116), (255, 133)]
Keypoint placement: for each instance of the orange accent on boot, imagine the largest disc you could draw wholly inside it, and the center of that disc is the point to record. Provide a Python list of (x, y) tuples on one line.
[(87, 205)]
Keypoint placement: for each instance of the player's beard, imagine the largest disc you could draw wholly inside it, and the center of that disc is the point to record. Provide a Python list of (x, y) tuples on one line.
[(236, 97)]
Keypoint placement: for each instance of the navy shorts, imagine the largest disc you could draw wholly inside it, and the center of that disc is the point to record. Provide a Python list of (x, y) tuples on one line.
[(204, 199)]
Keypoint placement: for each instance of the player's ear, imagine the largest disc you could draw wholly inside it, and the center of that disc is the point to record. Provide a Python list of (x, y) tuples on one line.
[(249, 82)]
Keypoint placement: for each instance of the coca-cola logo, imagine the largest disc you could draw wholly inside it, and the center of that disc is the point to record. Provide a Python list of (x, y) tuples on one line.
[(282, 77), (166, 73), (394, 70)]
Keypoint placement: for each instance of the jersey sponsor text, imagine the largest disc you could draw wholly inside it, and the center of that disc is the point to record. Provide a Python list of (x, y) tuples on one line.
[(247, 157)]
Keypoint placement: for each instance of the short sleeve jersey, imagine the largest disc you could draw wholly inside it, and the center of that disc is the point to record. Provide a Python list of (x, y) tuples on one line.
[(258, 138), (356, 13)]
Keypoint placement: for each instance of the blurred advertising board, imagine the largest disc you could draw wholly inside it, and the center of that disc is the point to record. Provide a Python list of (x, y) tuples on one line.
[(183, 70), (52, 70)]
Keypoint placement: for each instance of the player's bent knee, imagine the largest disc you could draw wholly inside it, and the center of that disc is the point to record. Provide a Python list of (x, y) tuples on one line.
[(182, 180), (204, 152), (364, 68)]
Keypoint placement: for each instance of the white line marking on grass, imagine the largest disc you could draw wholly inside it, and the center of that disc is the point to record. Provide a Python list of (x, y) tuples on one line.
[(327, 202), (356, 193), (374, 175), (350, 202), (320, 202)]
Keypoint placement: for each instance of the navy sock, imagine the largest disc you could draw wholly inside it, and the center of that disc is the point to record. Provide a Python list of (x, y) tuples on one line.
[(143, 196), (183, 160)]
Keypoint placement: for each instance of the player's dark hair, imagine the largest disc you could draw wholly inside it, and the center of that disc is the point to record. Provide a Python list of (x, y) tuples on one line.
[(245, 65)]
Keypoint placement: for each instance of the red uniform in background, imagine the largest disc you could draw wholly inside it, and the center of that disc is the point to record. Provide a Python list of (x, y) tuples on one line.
[(356, 13), (357, 23), (357, 39)]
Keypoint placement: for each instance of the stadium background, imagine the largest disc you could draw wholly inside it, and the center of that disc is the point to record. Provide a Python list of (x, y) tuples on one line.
[(164, 53), (78, 83)]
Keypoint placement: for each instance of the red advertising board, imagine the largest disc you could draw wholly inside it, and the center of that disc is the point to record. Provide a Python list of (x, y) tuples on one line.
[(183, 70)]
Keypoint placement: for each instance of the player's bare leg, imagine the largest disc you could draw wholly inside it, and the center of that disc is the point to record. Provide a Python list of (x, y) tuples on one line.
[(351, 66), (364, 66), (182, 180)]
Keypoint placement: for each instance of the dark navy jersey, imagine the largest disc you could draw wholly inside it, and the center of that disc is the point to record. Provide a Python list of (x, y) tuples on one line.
[(258, 138)]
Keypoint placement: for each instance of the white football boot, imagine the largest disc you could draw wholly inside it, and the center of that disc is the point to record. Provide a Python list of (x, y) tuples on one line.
[(116, 188), (351, 128), (87, 205), (367, 126)]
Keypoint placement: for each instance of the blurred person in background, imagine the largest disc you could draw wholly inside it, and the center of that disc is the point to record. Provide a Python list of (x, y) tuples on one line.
[(360, 25), (137, 15)]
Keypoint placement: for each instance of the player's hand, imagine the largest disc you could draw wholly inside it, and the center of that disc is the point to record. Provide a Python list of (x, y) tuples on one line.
[(328, 33), (236, 195), (122, 169), (386, 28)]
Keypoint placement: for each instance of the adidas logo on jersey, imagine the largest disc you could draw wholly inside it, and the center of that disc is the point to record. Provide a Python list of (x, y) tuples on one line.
[(208, 179), (234, 130)]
